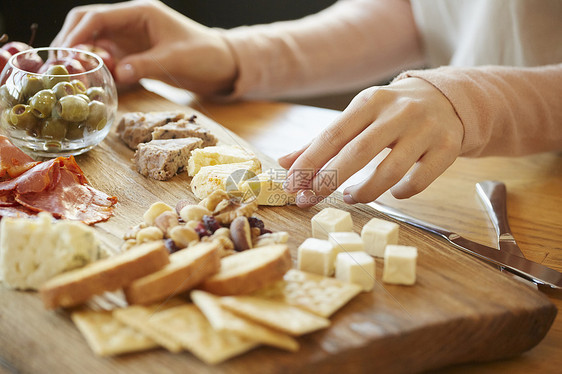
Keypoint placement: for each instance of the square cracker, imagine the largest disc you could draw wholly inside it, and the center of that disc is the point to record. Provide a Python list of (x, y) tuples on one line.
[(275, 314), (224, 320), (317, 294), (187, 325), (107, 336), (137, 317)]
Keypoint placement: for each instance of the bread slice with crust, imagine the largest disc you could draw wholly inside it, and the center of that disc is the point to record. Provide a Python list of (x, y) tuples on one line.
[(187, 268), (250, 270), (77, 286)]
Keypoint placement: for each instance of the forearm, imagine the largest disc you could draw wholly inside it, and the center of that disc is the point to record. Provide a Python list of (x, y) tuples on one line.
[(354, 43), (504, 110)]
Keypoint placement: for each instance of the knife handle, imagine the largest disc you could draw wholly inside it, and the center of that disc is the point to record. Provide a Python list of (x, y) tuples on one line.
[(493, 195)]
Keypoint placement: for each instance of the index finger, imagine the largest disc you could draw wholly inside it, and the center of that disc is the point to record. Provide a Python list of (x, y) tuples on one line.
[(101, 20), (328, 144), (70, 22)]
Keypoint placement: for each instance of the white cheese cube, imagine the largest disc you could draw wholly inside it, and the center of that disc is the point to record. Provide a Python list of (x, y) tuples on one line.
[(346, 241), (377, 234), (316, 256), (356, 267), (400, 265), (330, 220)]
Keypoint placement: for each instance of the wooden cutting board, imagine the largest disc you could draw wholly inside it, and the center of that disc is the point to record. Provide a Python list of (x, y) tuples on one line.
[(460, 310)]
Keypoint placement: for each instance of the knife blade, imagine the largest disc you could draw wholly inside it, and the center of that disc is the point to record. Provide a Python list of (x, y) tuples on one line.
[(493, 195), (517, 265)]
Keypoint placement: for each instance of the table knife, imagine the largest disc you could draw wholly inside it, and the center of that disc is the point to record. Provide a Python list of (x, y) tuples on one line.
[(517, 265), (493, 195)]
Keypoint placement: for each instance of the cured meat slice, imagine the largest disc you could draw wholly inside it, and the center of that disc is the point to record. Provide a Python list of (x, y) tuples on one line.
[(70, 199), (13, 161), (57, 186)]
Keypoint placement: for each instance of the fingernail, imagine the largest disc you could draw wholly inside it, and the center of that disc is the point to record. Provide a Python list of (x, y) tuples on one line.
[(348, 199), (307, 198), (125, 73)]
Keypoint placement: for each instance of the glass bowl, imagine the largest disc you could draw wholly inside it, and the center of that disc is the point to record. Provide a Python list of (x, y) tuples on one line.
[(56, 101)]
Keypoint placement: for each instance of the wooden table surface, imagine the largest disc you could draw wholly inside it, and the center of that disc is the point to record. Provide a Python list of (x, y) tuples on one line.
[(534, 202), (534, 199)]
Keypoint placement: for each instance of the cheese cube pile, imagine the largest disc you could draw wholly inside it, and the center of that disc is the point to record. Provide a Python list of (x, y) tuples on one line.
[(352, 252), (400, 265), (330, 220), (33, 250), (346, 241), (377, 234), (316, 256), (356, 267)]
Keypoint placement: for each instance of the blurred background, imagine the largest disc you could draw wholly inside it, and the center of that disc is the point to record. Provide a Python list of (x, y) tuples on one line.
[(16, 17)]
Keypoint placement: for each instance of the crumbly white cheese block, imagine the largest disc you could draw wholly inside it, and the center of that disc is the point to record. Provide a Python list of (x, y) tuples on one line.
[(346, 241), (267, 190), (377, 234), (356, 267), (33, 250), (224, 177), (221, 154), (316, 256), (330, 220), (400, 265)]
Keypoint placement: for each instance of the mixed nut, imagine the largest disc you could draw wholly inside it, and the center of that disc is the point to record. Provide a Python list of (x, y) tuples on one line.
[(217, 218)]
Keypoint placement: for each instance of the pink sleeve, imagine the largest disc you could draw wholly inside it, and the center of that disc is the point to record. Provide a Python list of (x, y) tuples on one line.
[(508, 111), (352, 44)]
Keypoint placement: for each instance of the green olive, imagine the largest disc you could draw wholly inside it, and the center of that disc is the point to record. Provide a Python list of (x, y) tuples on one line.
[(54, 75), (79, 86), (72, 108), (42, 103), (96, 93), (86, 98), (54, 128), (6, 98), (97, 119), (63, 89), (22, 116), (31, 85), (75, 131)]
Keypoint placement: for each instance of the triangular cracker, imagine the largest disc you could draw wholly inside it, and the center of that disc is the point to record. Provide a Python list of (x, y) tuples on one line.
[(277, 315), (224, 320), (317, 294), (107, 336), (137, 317), (189, 326)]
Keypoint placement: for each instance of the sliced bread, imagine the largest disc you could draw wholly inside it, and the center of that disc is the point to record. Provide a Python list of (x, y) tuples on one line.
[(187, 268), (77, 286), (250, 270)]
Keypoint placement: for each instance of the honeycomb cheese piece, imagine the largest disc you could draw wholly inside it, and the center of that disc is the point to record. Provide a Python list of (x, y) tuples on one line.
[(356, 267), (400, 265), (267, 189), (377, 234), (316, 256), (221, 154), (346, 242), (224, 177), (330, 220), (34, 250)]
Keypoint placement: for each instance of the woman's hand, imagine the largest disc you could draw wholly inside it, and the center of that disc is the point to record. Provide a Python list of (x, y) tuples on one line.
[(410, 116), (150, 40)]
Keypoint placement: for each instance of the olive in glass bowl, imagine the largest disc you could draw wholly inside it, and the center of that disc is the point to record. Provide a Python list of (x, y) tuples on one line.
[(66, 107)]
